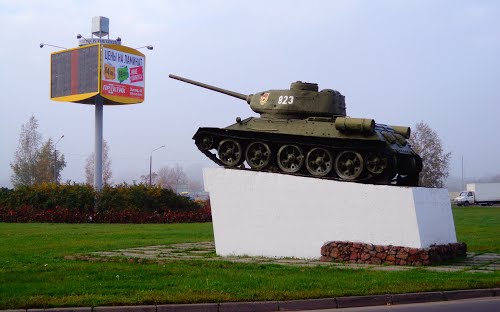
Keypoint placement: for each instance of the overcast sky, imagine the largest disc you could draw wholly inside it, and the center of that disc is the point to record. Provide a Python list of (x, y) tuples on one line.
[(399, 62)]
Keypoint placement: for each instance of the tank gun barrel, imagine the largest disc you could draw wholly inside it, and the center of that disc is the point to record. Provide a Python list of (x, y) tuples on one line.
[(220, 90)]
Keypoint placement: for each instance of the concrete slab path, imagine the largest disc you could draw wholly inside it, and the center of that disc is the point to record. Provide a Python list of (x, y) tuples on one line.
[(473, 263)]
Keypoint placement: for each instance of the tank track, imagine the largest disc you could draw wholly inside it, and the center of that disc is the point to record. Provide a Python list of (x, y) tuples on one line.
[(332, 159)]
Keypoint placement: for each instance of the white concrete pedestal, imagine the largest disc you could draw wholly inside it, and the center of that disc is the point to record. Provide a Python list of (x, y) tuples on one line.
[(276, 215)]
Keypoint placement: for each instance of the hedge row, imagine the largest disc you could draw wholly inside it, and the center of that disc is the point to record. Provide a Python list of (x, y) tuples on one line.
[(65, 215), (119, 204)]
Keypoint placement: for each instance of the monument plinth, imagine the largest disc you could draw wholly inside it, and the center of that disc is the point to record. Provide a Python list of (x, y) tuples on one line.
[(277, 215)]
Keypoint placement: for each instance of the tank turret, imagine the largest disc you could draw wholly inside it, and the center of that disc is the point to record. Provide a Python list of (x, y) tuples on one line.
[(304, 131), (302, 100)]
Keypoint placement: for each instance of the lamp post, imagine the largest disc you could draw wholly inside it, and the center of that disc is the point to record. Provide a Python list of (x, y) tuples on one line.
[(151, 162), (462, 186), (149, 47), (51, 45), (84, 39), (55, 159)]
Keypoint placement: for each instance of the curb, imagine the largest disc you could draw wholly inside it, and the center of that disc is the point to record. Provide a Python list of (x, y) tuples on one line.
[(363, 301), (311, 304), (291, 305)]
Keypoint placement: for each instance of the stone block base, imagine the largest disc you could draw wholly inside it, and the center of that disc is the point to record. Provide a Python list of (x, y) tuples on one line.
[(342, 251), (274, 215)]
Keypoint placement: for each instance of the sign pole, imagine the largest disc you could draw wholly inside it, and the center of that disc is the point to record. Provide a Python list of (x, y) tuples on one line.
[(98, 143)]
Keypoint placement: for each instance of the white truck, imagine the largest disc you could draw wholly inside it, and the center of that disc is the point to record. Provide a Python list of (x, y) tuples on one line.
[(484, 194)]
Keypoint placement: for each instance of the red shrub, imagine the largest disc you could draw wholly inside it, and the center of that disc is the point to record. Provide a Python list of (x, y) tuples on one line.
[(28, 214)]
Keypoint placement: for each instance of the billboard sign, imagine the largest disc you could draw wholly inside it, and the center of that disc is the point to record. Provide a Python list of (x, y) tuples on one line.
[(113, 71), (122, 74), (74, 74)]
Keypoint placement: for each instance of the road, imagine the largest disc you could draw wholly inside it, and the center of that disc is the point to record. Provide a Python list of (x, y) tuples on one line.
[(489, 304)]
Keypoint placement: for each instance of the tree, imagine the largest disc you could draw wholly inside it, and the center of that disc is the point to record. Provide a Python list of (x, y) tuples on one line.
[(195, 186), (46, 159), (24, 165), (172, 178), (166, 177), (107, 175), (436, 163), (145, 178), (34, 163)]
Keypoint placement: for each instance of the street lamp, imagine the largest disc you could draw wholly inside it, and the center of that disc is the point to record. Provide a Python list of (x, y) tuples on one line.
[(55, 159), (151, 162), (149, 47), (50, 45), (80, 37)]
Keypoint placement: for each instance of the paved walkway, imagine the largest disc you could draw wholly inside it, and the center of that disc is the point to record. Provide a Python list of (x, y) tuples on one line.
[(473, 263)]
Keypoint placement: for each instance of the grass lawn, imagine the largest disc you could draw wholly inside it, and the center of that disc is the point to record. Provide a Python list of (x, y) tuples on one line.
[(479, 227), (33, 272)]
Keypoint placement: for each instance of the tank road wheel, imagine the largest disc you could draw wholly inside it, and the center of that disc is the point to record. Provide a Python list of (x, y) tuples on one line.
[(258, 155), (205, 142), (230, 153), (319, 162), (349, 165), (290, 158), (375, 163)]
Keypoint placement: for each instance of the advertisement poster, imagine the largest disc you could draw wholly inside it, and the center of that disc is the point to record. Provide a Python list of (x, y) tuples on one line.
[(122, 76)]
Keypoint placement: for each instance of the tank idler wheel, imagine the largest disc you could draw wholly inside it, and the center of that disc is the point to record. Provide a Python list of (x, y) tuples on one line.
[(258, 155), (230, 153), (319, 162), (205, 141), (349, 165), (290, 158), (375, 163)]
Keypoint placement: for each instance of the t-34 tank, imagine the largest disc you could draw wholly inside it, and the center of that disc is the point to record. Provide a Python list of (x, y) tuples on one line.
[(304, 131)]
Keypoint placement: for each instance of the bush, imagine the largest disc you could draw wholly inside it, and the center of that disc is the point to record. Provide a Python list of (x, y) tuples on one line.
[(75, 203), (48, 196), (5, 194), (144, 198)]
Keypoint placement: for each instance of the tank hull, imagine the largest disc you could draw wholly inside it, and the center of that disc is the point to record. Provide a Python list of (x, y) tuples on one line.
[(313, 147)]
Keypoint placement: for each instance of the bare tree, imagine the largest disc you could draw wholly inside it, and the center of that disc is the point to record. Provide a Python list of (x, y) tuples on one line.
[(171, 178), (24, 165), (436, 162), (107, 174), (163, 177), (195, 186), (145, 178)]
